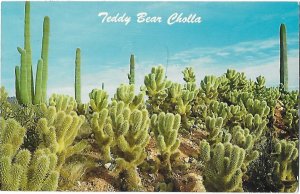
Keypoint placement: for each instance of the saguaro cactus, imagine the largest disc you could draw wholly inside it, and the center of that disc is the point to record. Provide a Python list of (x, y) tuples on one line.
[(77, 76), (131, 75), (283, 58), (24, 85)]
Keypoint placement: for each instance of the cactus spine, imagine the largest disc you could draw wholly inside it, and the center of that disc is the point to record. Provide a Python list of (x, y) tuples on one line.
[(77, 76), (283, 58), (131, 76), (24, 85)]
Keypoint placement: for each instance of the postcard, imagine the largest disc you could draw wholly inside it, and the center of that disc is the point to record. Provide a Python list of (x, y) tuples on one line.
[(113, 96)]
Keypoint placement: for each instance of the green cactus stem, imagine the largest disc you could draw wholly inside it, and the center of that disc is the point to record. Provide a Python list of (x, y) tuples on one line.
[(44, 56), (17, 83), (77, 76), (131, 75), (38, 83), (283, 58), (24, 96), (27, 48)]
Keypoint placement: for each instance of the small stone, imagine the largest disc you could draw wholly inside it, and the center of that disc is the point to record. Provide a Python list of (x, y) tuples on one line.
[(78, 183), (187, 159), (107, 165)]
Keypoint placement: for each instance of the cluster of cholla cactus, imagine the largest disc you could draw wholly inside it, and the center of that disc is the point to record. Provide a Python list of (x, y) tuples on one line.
[(19, 168), (28, 166)]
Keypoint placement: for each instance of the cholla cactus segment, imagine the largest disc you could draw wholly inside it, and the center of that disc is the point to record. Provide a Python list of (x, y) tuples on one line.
[(98, 100), (189, 75), (223, 164), (63, 103), (103, 132), (165, 128), (285, 154), (119, 116)]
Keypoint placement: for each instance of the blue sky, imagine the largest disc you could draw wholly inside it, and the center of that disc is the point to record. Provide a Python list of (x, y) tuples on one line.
[(244, 36)]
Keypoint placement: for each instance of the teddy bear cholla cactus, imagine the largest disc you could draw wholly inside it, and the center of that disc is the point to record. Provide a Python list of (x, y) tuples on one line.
[(165, 128), (125, 93), (98, 100), (222, 166), (58, 130), (156, 86), (126, 131), (285, 154), (19, 169)]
